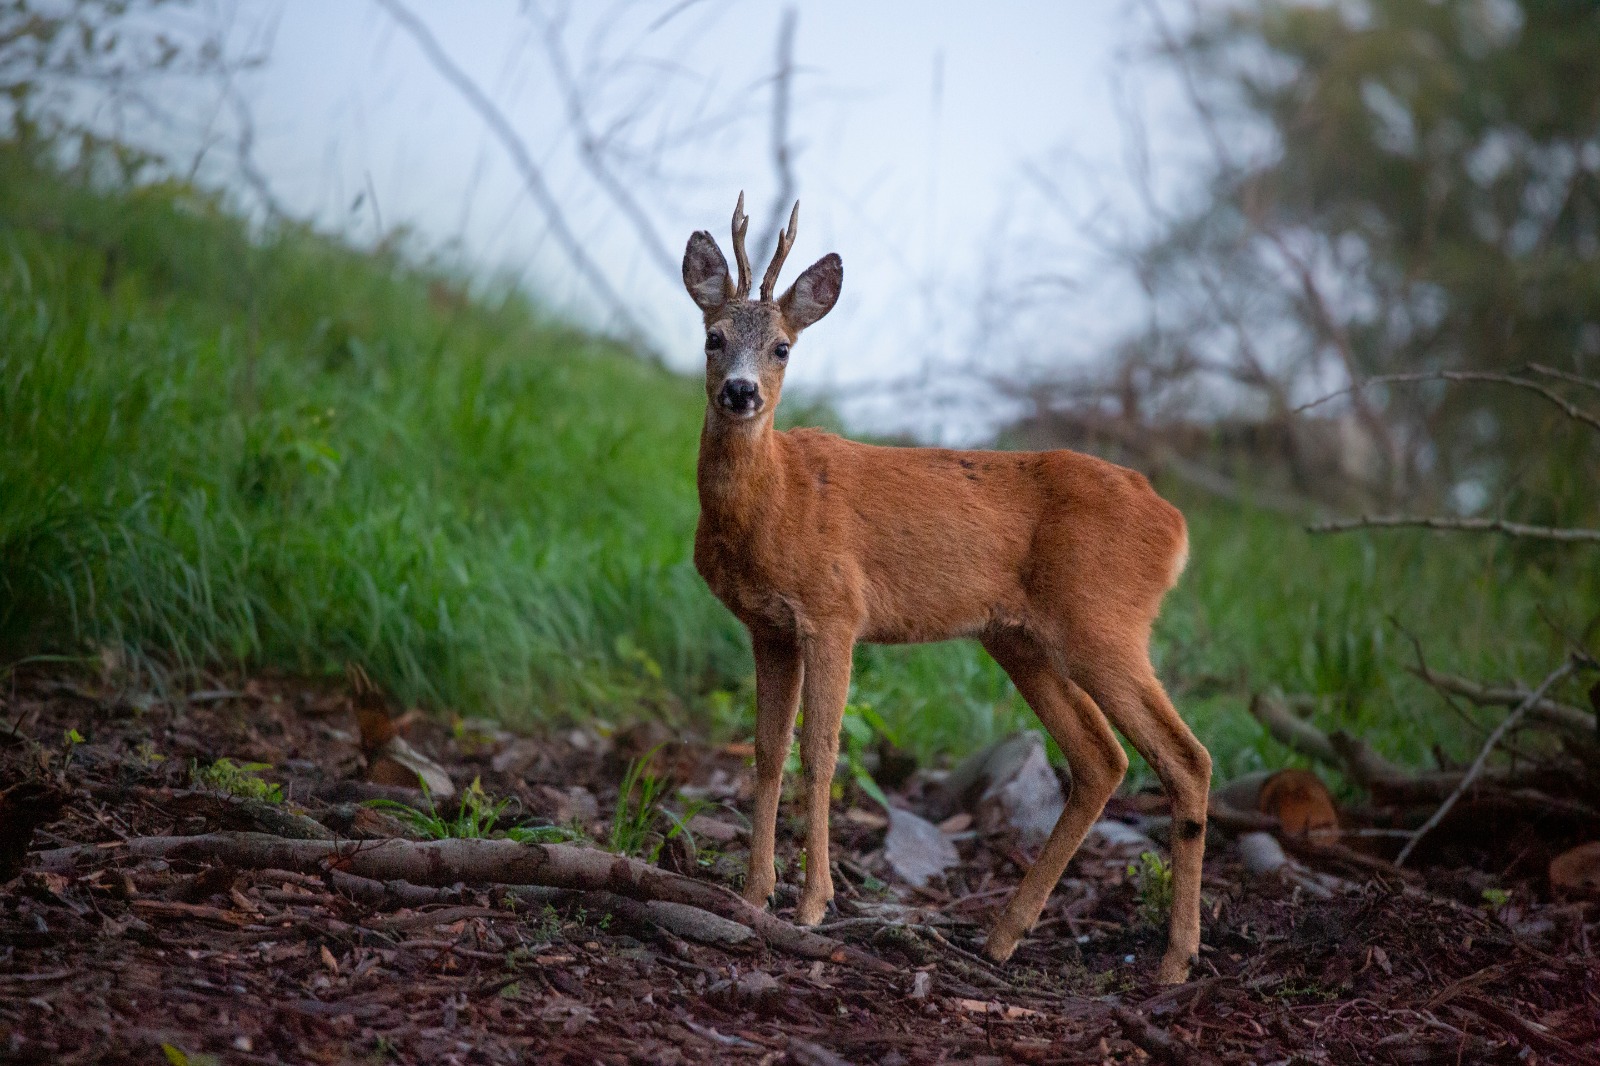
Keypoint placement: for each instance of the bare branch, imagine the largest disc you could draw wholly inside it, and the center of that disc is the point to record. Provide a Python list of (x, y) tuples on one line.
[(591, 152), (1483, 757), (1467, 525), (1563, 375), (532, 176), (782, 155), (1560, 715), (1571, 409)]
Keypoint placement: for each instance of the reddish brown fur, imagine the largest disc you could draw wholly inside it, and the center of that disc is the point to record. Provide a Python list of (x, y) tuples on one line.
[(1056, 561)]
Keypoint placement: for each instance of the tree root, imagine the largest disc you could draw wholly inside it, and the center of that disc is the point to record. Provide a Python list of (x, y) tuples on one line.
[(447, 862)]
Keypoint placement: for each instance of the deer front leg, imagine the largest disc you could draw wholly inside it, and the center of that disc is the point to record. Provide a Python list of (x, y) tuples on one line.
[(777, 699), (827, 685)]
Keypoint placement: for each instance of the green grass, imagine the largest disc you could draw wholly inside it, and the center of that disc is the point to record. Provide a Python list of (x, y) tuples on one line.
[(237, 449)]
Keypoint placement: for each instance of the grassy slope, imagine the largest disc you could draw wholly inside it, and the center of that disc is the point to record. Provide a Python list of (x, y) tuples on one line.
[(283, 452)]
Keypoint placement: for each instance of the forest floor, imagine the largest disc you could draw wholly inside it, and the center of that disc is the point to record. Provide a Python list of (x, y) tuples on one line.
[(110, 958)]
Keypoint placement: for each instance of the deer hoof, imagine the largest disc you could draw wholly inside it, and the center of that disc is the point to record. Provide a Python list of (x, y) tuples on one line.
[(1001, 943), (1174, 968), (811, 912)]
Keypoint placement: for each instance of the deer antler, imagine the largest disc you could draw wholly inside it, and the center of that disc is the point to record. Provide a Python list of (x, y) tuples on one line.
[(741, 225), (779, 254)]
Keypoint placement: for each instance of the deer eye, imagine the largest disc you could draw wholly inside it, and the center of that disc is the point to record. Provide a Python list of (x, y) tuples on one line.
[(780, 352), (714, 341)]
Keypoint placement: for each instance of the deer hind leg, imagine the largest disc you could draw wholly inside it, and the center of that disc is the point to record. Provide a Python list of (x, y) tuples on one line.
[(826, 686), (777, 699), (1138, 706), (1097, 762)]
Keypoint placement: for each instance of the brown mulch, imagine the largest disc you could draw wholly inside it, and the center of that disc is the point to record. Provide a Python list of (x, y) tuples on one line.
[(153, 962)]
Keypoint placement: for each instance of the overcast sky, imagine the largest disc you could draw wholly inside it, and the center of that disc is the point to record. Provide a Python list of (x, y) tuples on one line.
[(923, 134)]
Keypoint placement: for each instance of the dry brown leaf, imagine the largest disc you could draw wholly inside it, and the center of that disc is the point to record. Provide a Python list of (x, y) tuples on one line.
[(1576, 872)]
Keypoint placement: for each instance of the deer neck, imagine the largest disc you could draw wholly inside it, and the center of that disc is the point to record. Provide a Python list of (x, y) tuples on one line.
[(739, 474)]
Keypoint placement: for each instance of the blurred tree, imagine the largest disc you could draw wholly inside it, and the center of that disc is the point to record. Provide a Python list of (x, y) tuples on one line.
[(1393, 186), (63, 61)]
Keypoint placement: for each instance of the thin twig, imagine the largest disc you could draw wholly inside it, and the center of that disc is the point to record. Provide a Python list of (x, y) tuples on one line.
[(1469, 525), (532, 176), (1572, 410), (1563, 375), (782, 153), (591, 150), (1483, 757), (1551, 712)]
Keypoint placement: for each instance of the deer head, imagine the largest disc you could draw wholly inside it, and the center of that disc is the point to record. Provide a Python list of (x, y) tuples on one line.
[(748, 341)]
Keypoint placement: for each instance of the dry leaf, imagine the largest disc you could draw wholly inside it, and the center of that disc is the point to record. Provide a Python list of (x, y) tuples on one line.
[(1577, 872)]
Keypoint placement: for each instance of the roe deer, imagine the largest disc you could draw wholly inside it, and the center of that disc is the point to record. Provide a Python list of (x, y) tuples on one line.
[(1056, 561)]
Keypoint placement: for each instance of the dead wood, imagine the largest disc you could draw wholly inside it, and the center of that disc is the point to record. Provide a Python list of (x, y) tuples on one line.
[(1157, 1043), (390, 894), (1530, 1033), (1291, 731), (1570, 720), (236, 813), (690, 923), (446, 862), (1320, 852), (1478, 764), (1388, 782)]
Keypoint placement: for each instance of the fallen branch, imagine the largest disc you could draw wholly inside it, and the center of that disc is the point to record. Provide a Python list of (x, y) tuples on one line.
[(1293, 732), (237, 813), (1157, 1044), (1562, 716), (446, 862), (1356, 759), (1316, 851), (1477, 766), (1460, 525)]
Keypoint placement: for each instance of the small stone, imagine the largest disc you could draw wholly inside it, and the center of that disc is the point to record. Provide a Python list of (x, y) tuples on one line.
[(915, 849)]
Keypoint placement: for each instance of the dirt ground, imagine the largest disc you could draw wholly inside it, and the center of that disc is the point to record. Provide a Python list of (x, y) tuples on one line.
[(145, 961)]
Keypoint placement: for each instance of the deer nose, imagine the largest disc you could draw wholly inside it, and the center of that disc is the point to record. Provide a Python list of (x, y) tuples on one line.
[(741, 396)]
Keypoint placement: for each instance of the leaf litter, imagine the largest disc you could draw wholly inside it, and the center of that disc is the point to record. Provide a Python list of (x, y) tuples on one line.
[(128, 960)]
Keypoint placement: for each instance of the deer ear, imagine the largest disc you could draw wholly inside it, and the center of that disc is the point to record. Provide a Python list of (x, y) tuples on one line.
[(813, 293), (705, 273)]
